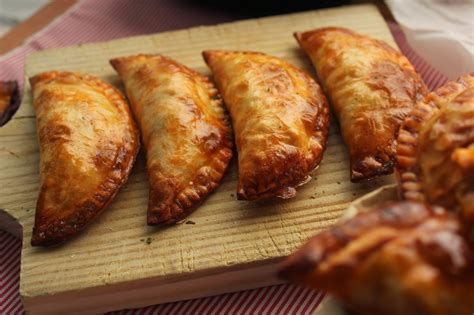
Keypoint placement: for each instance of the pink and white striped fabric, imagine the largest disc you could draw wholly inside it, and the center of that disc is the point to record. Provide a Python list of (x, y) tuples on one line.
[(280, 299), (10, 250), (94, 21)]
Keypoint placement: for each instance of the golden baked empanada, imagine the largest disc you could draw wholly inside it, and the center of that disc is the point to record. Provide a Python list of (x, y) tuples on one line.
[(402, 258), (280, 119), (185, 132), (9, 100), (372, 88), (435, 154), (88, 144)]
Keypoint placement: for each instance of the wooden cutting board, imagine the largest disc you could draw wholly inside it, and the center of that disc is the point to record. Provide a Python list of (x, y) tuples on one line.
[(224, 246)]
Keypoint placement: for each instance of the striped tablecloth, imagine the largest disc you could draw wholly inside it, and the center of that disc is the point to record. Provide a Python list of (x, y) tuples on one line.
[(95, 21)]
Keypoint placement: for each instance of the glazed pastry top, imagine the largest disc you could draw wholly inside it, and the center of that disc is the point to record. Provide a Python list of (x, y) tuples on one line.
[(185, 132), (88, 143), (280, 119), (372, 88), (399, 258)]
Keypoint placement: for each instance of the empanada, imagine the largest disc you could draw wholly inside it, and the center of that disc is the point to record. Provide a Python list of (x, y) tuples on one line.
[(403, 258), (9, 100), (372, 88), (280, 119), (185, 132), (88, 144), (435, 151)]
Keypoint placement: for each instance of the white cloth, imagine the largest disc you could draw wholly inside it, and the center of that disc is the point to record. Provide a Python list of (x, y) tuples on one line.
[(440, 31)]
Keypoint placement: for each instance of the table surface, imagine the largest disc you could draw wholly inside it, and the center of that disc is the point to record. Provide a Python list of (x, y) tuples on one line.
[(55, 8), (277, 299)]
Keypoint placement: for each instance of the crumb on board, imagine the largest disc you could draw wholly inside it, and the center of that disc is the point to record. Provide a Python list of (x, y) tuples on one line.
[(190, 222), (13, 153), (148, 240)]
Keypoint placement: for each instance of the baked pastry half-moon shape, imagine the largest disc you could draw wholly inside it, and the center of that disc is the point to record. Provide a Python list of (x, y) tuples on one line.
[(372, 88), (88, 144), (9, 100), (436, 148), (403, 258), (280, 119), (185, 131)]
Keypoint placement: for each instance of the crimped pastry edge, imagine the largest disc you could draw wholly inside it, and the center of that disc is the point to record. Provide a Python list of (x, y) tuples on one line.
[(407, 170), (293, 180), (184, 204)]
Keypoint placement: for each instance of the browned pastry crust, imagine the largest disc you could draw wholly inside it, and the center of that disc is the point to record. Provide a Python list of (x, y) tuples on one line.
[(402, 258), (9, 100), (280, 119), (372, 88), (88, 143), (185, 131), (436, 148)]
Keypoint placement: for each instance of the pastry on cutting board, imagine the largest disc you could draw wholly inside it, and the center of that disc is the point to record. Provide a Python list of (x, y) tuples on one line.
[(435, 161), (184, 129), (280, 119), (372, 88), (88, 143), (9, 100), (400, 258)]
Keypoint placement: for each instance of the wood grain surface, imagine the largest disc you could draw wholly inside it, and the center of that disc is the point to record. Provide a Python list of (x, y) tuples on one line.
[(226, 245)]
